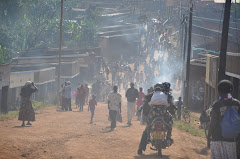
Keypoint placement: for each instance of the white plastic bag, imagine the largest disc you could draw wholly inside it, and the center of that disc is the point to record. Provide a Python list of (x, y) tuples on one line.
[(159, 98)]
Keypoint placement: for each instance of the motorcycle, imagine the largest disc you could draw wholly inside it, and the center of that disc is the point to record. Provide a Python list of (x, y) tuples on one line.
[(158, 129)]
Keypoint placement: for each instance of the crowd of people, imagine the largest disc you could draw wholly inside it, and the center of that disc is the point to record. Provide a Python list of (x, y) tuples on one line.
[(144, 72), (221, 137), (103, 91), (116, 77)]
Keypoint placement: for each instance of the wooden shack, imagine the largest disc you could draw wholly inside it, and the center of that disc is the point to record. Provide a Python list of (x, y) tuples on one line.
[(233, 71)]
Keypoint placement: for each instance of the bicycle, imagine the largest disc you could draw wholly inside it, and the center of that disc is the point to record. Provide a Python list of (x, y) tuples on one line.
[(186, 115), (206, 121), (205, 127)]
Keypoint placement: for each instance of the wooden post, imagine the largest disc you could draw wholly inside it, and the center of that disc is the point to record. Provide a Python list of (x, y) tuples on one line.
[(185, 41), (60, 50), (184, 54), (188, 56), (224, 41)]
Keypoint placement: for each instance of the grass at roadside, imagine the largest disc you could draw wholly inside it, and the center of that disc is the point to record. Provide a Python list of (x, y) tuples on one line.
[(38, 105), (10, 115), (194, 117), (189, 128), (14, 114)]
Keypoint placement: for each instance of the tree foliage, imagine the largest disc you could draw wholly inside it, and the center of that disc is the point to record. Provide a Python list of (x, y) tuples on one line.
[(5, 55), (29, 24), (85, 33), (236, 10)]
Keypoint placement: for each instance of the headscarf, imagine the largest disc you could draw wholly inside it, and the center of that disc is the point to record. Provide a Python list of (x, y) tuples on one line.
[(28, 84)]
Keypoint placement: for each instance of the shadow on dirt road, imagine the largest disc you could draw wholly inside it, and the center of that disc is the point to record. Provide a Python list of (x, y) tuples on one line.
[(204, 151), (152, 156)]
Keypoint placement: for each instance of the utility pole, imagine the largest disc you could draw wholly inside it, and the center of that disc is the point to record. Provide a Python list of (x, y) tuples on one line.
[(184, 43), (185, 38), (224, 41), (60, 50), (181, 29), (181, 34), (180, 9), (188, 55)]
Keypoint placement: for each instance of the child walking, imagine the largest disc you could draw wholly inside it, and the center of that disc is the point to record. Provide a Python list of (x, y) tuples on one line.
[(92, 104)]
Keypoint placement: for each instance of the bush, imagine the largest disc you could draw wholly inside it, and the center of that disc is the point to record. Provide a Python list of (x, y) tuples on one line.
[(13, 114), (10, 115), (37, 105)]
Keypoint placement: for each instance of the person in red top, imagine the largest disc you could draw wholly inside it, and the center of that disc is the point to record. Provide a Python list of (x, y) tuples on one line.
[(140, 102), (92, 104), (86, 93)]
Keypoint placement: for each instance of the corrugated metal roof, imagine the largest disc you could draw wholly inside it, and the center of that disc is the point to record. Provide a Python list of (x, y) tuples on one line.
[(220, 1)]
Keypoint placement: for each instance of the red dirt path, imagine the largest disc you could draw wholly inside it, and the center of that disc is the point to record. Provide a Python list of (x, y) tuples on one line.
[(65, 135)]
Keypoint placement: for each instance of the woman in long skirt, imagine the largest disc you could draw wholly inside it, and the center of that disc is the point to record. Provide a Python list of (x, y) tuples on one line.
[(26, 112)]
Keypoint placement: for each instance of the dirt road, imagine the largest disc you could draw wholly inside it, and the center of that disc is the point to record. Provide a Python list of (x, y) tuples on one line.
[(65, 135)]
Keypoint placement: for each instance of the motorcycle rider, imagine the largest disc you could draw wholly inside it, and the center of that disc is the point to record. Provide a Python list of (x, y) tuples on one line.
[(165, 88)]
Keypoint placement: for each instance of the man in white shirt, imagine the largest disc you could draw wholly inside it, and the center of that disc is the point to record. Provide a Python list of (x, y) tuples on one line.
[(114, 105)]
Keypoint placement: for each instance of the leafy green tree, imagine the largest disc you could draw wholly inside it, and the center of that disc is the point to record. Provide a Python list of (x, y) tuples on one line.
[(85, 33), (27, 24), (5, 55)]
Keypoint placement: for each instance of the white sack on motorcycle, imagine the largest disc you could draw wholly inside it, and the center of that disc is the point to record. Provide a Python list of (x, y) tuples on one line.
[(159, 98)]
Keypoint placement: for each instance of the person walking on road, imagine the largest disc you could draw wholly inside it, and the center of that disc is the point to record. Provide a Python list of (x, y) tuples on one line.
[(61, 94), (179, 107), (140, 102), (67, 96), (141, 77), (80, 99), (114, 105), (26, 112), (107, 72), (223, 146), (131, 95), (92, 105), (86, 93)]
